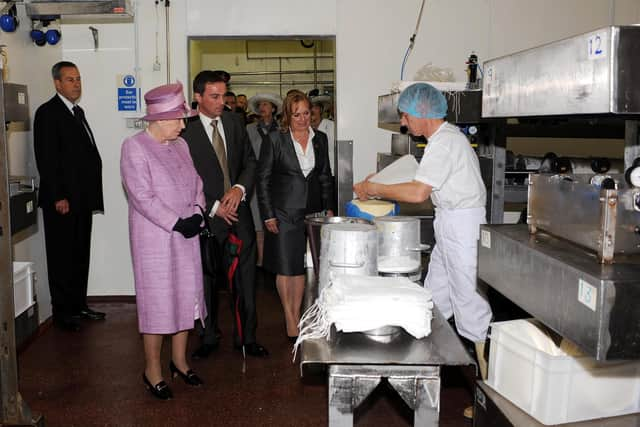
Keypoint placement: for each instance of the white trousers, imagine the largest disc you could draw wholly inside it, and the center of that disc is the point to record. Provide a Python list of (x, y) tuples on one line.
[(452, 276)]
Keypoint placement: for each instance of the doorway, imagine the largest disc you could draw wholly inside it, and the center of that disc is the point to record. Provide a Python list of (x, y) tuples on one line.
[(274, 65)]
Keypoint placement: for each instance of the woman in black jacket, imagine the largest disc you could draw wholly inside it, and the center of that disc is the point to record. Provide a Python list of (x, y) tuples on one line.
[(294, 179)]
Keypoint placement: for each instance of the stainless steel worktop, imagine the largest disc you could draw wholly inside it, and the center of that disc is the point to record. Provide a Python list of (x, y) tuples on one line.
[(442, 347), (356, 365)]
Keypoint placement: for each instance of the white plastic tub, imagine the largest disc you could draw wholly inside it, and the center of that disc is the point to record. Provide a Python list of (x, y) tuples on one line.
[(23, 291), (556, 389)]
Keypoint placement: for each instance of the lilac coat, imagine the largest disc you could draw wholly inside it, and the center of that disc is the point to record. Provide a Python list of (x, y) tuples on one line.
[(162, 185)]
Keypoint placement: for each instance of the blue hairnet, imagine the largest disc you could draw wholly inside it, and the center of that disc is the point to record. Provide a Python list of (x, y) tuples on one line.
[(423, 101)]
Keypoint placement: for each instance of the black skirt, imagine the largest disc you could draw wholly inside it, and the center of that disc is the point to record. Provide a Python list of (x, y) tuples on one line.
[(284, 252)]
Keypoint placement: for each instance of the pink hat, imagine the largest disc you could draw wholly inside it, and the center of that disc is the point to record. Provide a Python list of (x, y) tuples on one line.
[(167, 102)]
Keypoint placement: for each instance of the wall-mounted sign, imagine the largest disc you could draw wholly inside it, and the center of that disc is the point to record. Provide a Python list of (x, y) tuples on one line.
[(128, 93)]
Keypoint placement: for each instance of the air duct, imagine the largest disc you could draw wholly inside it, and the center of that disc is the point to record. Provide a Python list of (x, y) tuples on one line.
[(37, 9)]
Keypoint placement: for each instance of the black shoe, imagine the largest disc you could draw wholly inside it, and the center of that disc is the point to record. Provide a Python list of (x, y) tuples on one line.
[(160, 390), (204, 351), (87, 313), (189, 377), (255, 350), (66, 324)]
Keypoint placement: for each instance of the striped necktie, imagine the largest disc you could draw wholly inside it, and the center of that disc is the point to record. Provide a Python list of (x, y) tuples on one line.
[(221, 154)]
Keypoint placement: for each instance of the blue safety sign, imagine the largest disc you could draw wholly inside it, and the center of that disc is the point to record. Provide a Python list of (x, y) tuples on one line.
[(128, 99), (129, 80)]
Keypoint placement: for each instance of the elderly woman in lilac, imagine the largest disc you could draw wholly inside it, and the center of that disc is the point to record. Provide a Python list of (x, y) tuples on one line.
[(164, 191)]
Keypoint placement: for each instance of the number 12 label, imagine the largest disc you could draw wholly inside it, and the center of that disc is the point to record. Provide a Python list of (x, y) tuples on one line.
[(596, 46)]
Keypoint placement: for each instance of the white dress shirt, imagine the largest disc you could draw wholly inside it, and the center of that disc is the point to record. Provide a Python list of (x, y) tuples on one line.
[(208, 128), (307, 160)]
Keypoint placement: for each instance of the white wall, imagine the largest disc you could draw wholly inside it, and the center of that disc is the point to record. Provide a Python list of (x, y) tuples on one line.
[(371, 38), (260, 18), (111, 271)]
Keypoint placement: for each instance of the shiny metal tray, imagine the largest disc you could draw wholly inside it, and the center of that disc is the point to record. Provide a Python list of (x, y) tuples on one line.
[(592, 73), (572, 208), (563, 285)]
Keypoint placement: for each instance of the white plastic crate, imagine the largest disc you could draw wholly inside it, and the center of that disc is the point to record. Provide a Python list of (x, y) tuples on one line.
[(558, 389), (23, 291)]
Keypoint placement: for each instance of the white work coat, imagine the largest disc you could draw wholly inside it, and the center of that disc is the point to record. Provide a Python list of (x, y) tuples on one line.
[(451, 167)]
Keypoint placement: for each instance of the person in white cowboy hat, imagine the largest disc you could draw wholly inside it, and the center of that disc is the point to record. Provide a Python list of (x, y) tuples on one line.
[(163, 191), (319, 105), (266, 105)]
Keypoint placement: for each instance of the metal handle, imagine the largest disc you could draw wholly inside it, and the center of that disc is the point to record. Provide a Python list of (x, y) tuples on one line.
[(340, 265), (422, 247)]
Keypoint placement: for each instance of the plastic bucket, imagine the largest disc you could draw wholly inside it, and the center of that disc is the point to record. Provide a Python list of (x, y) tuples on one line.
[(315, 223)]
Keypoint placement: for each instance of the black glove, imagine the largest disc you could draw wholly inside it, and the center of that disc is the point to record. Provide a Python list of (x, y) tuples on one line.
[(189, 227)]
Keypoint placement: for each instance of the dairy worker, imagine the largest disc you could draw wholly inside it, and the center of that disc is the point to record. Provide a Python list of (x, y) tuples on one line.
[(449, 173)]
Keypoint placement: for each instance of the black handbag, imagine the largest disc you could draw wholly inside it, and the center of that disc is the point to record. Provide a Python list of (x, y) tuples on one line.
[(209, 248)]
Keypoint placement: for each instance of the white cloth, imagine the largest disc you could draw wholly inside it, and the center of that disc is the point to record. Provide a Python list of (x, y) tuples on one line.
[(329, 128), (402, 170), (362, 303), (306, 158), (452, 276), (451, 167)]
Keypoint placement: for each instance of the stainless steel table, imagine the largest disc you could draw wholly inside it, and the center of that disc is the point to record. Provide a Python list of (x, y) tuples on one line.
[(357, 363)]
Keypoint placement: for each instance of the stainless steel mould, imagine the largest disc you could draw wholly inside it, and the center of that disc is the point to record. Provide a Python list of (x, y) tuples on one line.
[(604, 221), (563, 285), (592, 73)]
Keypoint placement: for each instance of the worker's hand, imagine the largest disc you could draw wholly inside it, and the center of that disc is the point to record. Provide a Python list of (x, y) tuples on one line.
[(227, 214), (62, 206), (360, 189), (271, 224), (232, 198)]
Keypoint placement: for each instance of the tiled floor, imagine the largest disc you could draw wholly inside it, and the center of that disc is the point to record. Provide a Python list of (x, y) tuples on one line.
[(93, 378)]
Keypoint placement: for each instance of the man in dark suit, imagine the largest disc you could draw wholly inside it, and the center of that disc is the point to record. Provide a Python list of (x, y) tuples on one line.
[(223, 157), (70, 192)]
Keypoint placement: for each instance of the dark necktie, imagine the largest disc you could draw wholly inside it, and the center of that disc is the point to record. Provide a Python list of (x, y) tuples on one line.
[(79, 115), (218, 147)]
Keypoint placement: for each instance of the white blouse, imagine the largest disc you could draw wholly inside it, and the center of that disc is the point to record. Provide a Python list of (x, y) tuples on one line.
[(307, 160)]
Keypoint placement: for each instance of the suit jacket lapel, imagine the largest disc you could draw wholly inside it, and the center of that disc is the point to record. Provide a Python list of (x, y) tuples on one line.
[(68, 114), (292, 152), (316, 154), (201, 139)]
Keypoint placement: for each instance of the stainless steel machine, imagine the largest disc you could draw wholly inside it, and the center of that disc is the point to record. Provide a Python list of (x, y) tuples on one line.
[(576, 267), (606, 221)]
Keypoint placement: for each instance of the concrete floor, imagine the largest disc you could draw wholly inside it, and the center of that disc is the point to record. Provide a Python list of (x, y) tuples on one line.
[(93, 378)]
